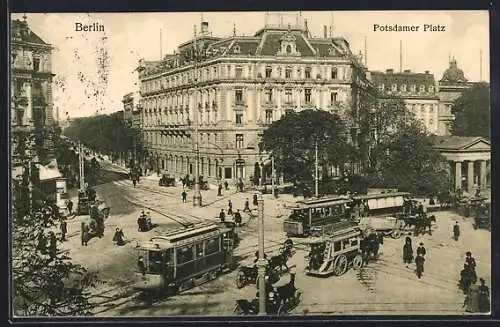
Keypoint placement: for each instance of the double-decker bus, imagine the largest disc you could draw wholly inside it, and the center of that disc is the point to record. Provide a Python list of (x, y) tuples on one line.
[(184, 258)]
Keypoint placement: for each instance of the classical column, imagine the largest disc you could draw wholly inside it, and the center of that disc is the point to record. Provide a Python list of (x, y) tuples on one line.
[(470, 176), (458, 175), (482, 174)]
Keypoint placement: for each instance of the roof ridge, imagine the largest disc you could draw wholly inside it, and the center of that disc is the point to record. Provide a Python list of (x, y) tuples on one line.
[(261, 44)]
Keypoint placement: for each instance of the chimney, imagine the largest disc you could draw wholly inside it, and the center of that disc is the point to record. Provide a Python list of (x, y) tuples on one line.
[(325, 34), (407, 71), (427, 72), (204, 27), (389, 71)]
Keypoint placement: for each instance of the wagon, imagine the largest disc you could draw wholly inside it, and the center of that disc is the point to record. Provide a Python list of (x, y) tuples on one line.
[(335, 253), (387, 226), (482, 219), (166, 180)]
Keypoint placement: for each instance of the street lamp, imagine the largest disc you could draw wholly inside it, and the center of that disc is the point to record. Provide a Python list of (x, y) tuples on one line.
[(197, 200), (261, 262)]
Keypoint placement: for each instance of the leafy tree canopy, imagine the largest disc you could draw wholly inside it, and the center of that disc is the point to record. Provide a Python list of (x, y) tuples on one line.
[(411, 164), (292, 141), (472, 112), (104, 133)]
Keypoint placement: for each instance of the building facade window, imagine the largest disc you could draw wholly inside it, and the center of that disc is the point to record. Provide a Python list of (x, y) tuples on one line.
[(334, 73), (307, 95), (333, 97), (288, 72), (239, 118), (269, 116), (238, 96), (239, 72), (413, 88), (269, 72), (36, 64), (239, 141), (288, 96), (269, 95), (308, 72)]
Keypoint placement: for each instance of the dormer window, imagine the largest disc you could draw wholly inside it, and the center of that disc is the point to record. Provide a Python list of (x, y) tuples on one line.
[(288, 47), (422, 88), (431, 89), (394, 87), (331, 52), (236, 49), (413, 87), (403, 88)]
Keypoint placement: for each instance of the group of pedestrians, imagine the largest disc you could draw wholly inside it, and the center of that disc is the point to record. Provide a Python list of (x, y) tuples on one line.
[(236, 215), (408, 256)]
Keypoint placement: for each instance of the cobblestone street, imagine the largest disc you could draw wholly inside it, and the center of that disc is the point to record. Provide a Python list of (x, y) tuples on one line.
[(384, 286)]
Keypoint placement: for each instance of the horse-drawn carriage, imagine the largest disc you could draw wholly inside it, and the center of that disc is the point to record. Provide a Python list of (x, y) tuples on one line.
[(248, 273), (166, 180), (334, 253), (386, 226), (482, 217)]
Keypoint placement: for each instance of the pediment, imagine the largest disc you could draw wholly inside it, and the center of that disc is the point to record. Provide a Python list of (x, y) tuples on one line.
[(480, 144)]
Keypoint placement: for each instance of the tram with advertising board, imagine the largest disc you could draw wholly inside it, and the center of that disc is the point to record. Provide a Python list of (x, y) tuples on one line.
[(316, 216), (184, 258)]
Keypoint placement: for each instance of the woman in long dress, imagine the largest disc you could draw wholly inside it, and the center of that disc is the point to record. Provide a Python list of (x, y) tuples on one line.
[(407, 252)]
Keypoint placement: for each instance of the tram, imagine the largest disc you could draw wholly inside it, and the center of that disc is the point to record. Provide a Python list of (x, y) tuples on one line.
[(380, 204), (184, 258), (310, 216)]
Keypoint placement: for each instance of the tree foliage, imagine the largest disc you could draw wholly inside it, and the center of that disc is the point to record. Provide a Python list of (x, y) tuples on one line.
[(410, 163), (292, 141), (472, 112), (105, 133), (44, 280)]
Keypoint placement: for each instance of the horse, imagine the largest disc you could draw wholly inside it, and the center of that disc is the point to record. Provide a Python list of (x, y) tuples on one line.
[(369, 246), (423, 223)]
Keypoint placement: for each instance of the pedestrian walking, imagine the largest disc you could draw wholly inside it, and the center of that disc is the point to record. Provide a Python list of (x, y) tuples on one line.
[(419, 262), (247, 206), (64, 230), (484, 297), (456, 231), (69, 205), (134, 181), (407, 252), (226, 185), (119, 237), (222, 216), (219, 190), (237, 217), (255, 202), (85, 234), (184, 196), (421, 249), (230, 208), (471, 266)]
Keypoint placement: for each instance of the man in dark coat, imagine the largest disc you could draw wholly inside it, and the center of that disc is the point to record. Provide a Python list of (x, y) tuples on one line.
[(118, 238), (456, 231), (219, 190), (237, 217), (247, 206), (421, 250), (471, 266), (64, 230), (184, 196), (226, 185), (230, 208), (69, 205), (222, 216), (407, 252), (465, 279), (419, 262)]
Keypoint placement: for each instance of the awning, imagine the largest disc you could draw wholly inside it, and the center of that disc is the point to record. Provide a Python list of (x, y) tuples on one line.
[(47, 174)]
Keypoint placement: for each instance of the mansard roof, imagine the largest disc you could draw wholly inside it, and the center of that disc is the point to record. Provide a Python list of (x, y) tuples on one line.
[(408, 78), (17, 28)]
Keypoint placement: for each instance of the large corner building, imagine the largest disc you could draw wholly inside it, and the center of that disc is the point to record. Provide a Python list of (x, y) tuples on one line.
[(232, 88)]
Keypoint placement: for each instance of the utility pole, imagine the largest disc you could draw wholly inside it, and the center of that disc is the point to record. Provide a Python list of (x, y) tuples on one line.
[(81, 161), (261, 263), (316, 178), (197, 193), (272, 173)]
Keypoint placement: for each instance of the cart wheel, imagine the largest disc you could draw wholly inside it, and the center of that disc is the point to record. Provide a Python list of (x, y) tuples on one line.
[(240, 279), (357, 263), (340, 265), (396, 233)]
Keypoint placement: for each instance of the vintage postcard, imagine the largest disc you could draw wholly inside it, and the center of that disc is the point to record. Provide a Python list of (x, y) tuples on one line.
[(250, 163)]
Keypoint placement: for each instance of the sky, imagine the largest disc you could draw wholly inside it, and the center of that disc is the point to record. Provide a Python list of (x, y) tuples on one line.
[(105, 61)]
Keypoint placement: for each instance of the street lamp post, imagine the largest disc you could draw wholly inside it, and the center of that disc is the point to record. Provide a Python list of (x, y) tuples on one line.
[(197, 201), (272, 173), (316, 178), (261, 262)]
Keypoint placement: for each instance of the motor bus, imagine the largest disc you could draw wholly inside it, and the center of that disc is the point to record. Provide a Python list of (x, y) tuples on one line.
[(184, 258), (316, 214)]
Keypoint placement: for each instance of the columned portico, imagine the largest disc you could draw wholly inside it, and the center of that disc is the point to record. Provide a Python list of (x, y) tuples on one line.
[(468, 158)]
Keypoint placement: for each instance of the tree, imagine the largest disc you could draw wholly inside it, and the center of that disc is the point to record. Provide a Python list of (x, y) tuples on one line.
[(292, 141), (411, 164), (44, 280), (472, 112)]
